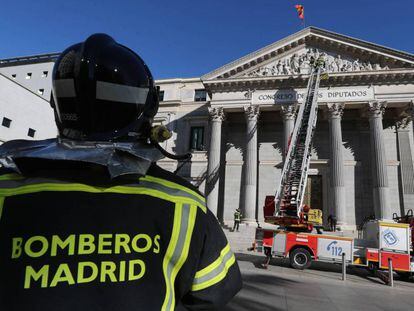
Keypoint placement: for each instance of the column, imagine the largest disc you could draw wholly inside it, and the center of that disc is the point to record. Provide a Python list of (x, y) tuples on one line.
[(379, 162), (288, 115), (405, 156), (410, 116), (411, 112), (250, 181), (337, 177), (213, 168)]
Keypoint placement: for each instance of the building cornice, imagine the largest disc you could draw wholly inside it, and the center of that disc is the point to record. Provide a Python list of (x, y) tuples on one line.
[(177, 80), (405, 75), (27, 60)]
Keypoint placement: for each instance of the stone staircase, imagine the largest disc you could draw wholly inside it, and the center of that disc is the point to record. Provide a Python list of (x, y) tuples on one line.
[(240, 240)]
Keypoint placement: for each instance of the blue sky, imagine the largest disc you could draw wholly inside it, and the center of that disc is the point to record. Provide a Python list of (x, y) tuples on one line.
[(190, 38)]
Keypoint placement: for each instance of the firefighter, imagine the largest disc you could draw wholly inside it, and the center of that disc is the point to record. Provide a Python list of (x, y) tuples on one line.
[(332, 222), (237, 219), (88, 221)]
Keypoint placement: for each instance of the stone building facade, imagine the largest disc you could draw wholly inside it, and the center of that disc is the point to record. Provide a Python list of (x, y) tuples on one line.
[(237, 121), (362, 156)]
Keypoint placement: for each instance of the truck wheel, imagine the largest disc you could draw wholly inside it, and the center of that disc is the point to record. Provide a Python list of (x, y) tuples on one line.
[(372, 268), (300, 258)]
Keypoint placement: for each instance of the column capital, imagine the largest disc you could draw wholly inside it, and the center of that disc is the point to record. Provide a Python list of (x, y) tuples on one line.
[(335, 110), (410, 108), (405, 116), (376, 109), (252, 112), (403, 122), (288, 111), (216, 113)]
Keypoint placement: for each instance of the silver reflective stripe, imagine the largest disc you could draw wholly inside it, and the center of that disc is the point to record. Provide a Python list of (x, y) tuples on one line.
[(65, 88), (121, 93), (172, 191), (16, 183), (185, 213), (212, 274)]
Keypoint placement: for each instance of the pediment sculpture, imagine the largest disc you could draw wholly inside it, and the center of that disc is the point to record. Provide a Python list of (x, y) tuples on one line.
[(300, 64)]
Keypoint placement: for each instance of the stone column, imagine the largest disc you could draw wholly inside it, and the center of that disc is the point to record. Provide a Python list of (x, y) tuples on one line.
[(405, 132), (250, 181), (213, 168), (406, 168), (411, 111), (337, 177), (288, 115), (379, 161)]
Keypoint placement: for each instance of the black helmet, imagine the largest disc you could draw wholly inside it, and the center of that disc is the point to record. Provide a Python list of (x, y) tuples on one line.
[(103, 91)]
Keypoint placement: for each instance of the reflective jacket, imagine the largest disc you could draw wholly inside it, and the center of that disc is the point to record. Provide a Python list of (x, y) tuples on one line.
[(237, 216), (146, 244)]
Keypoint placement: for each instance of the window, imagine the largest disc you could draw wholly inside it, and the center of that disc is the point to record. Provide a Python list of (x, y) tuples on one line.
[(200, 96), (14, 76), (29, 75), (41, 91), (197, 138), (44, 74), (6, 122), (161, 96), (31, 132)]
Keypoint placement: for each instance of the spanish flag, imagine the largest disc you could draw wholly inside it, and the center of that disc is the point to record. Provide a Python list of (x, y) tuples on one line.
[(301, 11)]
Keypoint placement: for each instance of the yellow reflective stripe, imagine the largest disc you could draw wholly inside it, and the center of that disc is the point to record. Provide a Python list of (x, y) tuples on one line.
[(1, 206), (11, 176), (173, 191), (214, 264), (216, 279), (174, 185), (177, 250), (25, 189), (170, 252), (214, 272)]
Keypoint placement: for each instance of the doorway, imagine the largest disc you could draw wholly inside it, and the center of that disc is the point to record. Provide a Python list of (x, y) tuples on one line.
[(313, 196)]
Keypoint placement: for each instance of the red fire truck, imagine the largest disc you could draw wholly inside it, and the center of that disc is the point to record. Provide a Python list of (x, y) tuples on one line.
[(381, 240)]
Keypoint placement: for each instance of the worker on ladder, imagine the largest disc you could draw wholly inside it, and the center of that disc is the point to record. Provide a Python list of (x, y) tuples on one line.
[(88, 221)]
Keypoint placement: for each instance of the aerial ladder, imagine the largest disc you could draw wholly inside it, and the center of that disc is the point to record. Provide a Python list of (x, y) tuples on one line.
[(286, 208)]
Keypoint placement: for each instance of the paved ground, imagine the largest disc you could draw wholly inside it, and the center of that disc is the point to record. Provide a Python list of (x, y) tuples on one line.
[(318, 288)]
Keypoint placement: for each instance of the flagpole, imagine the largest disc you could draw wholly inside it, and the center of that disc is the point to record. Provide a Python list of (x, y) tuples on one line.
[(304, 19)]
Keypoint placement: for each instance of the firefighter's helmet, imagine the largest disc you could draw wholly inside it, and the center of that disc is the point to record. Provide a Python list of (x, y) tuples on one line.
[(103, 91)]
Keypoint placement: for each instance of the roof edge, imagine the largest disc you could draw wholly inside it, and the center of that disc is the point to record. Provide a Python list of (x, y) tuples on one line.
[(317, 30), (31, 59), (178, 80), (302, 33), (256, 52)]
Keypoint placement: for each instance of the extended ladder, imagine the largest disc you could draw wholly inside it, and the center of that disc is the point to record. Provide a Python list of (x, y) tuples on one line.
[(289, 196)]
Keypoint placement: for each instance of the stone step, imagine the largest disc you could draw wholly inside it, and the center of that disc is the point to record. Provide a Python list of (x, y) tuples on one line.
[(240, 240)]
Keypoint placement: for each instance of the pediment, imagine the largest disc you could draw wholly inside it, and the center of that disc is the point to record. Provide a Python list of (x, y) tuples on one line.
[(291, 56), (299, 63)]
